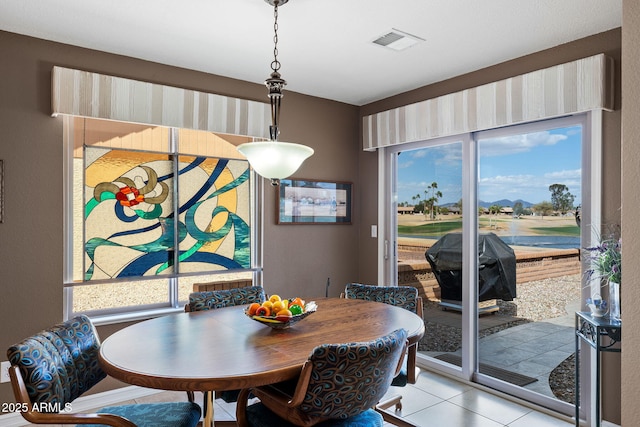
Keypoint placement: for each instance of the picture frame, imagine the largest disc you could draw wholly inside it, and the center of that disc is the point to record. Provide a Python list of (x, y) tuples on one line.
[(307, 201)]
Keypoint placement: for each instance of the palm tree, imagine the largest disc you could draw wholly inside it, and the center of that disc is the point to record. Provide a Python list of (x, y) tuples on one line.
[(435, 196), (416, 197)]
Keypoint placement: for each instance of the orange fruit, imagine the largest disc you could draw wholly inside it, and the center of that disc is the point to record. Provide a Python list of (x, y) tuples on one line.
[(252, 308)]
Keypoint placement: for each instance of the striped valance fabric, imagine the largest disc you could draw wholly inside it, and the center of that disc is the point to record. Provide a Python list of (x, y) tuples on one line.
[(85, 94), (574, 87)]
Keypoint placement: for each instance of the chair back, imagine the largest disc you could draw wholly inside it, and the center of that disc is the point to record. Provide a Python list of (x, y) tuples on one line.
[(208, 300), (400, 296), (348, 379), (59, 364)]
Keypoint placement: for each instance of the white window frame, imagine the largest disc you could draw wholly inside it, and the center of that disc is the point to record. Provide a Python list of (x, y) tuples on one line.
[(132, 313)]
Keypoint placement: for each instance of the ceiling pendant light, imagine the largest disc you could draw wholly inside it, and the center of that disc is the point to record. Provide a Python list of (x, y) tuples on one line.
[(274, 159)]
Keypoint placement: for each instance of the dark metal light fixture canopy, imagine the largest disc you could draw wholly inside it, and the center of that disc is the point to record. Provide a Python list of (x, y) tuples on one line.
[(273, 159)]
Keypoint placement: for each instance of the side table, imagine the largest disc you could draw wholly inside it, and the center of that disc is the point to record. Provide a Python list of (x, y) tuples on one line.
[(602, 334)]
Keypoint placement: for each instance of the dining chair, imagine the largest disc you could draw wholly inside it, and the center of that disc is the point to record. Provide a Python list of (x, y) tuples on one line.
[(399, 296), (52, 368), (210, 300), (339, 386)]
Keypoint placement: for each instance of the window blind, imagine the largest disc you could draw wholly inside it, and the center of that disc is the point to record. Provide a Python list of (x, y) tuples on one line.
[(569, 88), (86, 94)]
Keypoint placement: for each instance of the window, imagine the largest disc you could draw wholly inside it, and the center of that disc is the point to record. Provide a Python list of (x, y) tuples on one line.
[(152, 211)]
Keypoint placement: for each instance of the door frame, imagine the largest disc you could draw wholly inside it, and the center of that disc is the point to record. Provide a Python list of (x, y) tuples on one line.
[(591, 190)]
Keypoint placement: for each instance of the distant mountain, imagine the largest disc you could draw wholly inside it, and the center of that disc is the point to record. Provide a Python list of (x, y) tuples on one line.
[(505, 203)]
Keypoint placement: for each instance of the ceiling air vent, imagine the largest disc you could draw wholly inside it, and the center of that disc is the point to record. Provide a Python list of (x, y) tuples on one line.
[(397, 40)]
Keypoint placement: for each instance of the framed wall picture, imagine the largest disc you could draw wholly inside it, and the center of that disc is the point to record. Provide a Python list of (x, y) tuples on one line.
[(305, 201)]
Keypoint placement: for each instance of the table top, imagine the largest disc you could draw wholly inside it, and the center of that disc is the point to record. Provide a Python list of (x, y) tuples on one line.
[(223, 349)]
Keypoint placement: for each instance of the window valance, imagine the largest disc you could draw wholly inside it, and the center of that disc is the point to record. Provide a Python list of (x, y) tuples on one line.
[(574, 87), (86, 94)]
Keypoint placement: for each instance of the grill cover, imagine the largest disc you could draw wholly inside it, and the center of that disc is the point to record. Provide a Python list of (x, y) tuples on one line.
[(496, 265)]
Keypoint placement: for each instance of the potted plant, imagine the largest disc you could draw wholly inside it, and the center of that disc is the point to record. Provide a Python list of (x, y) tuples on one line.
[(606, 264)]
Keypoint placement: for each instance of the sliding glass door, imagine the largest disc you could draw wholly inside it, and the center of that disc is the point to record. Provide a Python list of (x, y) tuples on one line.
[(529, 199), (488, 228)]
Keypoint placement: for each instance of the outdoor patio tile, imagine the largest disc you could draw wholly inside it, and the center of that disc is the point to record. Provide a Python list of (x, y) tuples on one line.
[(539, 346), (546, 327), (508, 340), (566, 335), (509, 356), (569, 348), (551, 358), (492, 346), (531, 334), (530, 368), (541, 386)]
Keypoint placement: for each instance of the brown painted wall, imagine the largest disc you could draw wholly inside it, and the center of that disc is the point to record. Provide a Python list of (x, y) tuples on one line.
[(630, 208), (298, 259)]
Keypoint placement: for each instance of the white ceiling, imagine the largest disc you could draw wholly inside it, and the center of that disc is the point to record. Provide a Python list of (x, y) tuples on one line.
[(324, 46)]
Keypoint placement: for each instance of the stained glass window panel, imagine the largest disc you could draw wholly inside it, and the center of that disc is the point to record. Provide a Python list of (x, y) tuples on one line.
[(214, 208), (129, 214)]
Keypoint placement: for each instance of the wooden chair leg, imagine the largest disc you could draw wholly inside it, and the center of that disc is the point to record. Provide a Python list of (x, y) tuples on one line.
[(394, 419), (387, 403)]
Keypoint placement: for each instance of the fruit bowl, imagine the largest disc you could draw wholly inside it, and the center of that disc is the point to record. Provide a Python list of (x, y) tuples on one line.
[(283, 322)]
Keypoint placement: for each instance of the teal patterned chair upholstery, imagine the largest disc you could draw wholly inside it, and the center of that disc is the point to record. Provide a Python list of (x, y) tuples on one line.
[(339, 386), (400, 296), (208, 300), (50, 369)]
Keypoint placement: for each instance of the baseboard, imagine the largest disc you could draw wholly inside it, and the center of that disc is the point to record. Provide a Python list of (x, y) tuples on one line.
[(87, 403)]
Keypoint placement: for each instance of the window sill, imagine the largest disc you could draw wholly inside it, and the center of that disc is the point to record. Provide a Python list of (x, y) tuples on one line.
[(111, 319)]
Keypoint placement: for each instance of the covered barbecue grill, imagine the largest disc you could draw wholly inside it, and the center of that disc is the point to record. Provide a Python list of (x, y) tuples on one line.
[(496, 265)]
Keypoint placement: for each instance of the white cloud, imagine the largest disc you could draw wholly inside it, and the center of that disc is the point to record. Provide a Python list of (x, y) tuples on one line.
[(532, 188), (517, 143)]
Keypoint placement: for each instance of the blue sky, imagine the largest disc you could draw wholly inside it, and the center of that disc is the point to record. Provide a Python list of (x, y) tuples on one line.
[(512, 167)]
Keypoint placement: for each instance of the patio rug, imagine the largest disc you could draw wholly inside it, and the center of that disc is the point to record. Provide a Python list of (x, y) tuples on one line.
[(499, 373)]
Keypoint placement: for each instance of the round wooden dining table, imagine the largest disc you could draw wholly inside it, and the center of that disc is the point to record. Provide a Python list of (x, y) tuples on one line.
[(223, 349)]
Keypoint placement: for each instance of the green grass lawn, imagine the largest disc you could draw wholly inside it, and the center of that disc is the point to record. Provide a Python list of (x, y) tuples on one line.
[(434, 229), (439, 228), (567, 230)]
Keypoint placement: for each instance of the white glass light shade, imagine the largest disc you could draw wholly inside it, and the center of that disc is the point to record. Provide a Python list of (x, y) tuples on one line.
[(275, 159)]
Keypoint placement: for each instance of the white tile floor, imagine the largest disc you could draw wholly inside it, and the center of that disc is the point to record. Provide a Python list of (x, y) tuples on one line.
[(434, 400)]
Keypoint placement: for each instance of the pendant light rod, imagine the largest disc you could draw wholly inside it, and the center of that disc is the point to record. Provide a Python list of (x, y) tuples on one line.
[(272, 159), (275, 83)]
